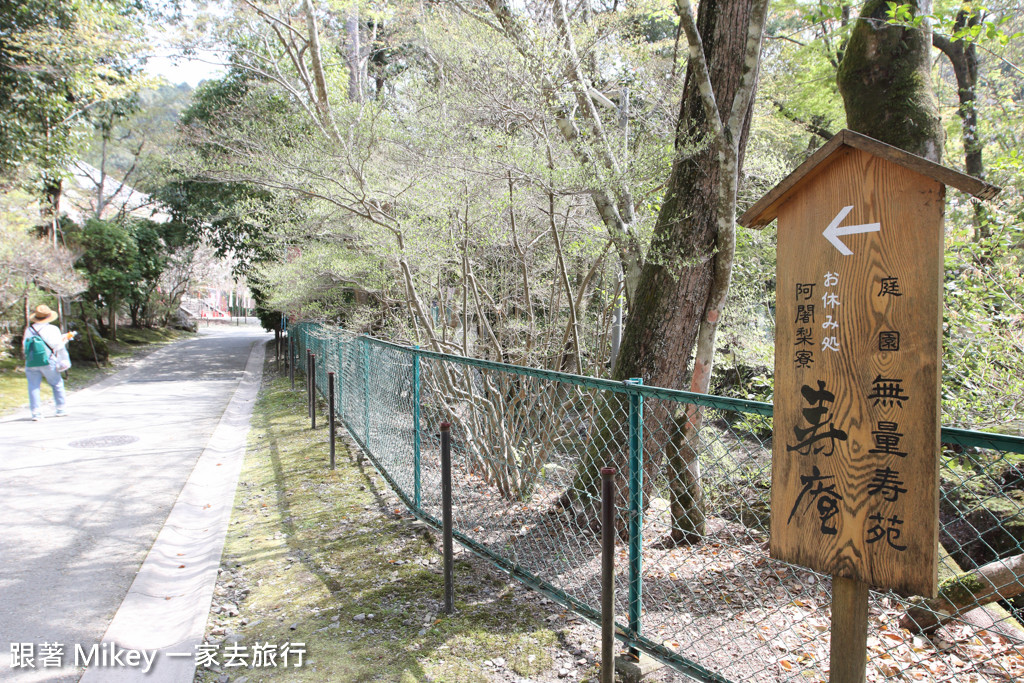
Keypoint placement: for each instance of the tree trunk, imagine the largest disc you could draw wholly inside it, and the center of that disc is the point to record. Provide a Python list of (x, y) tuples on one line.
[(101, 183), (676, 280), (964, 58), (354, 57), (886, 82), (323, 105), (53, 188), (999, 580), (112, 316), (88, 333), (963, 55)]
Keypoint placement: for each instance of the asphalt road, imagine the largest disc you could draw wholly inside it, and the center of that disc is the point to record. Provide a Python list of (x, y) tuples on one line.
[(83, 497)]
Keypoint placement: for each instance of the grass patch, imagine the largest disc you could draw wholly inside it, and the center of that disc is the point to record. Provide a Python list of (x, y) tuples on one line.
[(149, 335), (330, 559), (131, 343)]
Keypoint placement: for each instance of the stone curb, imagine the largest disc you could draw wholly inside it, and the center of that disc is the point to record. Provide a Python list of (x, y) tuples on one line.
[(167, 606)]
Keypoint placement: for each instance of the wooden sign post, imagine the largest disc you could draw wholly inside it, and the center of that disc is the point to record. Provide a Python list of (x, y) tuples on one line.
[(857, 373)]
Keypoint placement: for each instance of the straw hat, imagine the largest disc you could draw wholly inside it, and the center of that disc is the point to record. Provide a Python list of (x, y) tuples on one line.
[(42, 314)]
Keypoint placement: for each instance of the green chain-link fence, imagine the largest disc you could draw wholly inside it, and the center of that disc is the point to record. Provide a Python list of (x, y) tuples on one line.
[(719, 609)]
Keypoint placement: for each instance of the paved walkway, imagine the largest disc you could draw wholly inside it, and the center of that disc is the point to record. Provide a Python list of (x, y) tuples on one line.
[(85, 496)]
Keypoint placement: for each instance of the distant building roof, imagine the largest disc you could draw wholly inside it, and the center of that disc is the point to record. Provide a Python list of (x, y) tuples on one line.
[(81, 195)]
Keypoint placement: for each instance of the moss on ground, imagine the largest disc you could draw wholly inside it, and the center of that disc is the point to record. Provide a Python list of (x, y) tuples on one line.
[(328, 559)]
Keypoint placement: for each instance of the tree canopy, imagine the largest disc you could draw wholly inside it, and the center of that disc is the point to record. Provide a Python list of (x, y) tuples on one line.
[(494, 178), (59, 61)]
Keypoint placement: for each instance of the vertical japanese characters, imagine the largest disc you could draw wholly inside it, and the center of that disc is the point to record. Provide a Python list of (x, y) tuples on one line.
[(817, 434), (887, 393)]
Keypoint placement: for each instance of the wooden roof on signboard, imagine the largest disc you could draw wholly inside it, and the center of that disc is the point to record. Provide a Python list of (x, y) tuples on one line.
[(766, 209)]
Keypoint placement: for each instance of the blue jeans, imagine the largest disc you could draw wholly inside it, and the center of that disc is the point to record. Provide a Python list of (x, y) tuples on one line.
[(35, 380)]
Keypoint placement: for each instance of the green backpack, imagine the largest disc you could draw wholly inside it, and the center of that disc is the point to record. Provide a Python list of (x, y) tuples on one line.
[(37, 353)]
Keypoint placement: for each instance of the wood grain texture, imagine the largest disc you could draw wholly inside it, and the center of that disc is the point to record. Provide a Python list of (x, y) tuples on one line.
[(849, 645), (909, 208)]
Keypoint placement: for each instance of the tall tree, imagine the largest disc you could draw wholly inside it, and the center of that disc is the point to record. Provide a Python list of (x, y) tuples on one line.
[(109, 258), (574, 102), (58, 60), (685, 280), (962, 53)]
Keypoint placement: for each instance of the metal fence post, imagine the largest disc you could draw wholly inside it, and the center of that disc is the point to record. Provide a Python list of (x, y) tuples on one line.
[(366, 393), (608, 574), (291, 359), (312, 390), (636, 506), (341, 380), (416, 425), (330, 412), (309, 400), (446, 518)]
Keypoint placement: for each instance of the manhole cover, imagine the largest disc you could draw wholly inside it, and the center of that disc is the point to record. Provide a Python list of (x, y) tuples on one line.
[(104, 441)]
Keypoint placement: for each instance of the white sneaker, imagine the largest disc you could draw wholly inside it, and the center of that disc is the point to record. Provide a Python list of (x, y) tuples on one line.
[(37, 418), (61, 413)]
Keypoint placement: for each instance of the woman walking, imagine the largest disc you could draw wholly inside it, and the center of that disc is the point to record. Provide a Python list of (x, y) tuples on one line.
[(46, 357)]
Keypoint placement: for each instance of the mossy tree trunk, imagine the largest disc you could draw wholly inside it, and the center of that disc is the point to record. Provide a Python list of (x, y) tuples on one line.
[(999, 580), (685, 277), (886, 82)]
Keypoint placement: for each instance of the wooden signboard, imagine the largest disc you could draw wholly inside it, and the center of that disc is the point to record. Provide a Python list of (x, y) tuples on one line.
[(857, 373), (858, 364)]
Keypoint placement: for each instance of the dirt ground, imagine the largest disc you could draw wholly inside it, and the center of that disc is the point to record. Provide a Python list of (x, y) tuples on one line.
[(331, 563)]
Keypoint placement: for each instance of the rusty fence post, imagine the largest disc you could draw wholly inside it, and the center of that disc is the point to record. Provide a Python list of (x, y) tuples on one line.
[(607, 574), (312, 391), (446, 518), (330, 412), (309, 384)]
